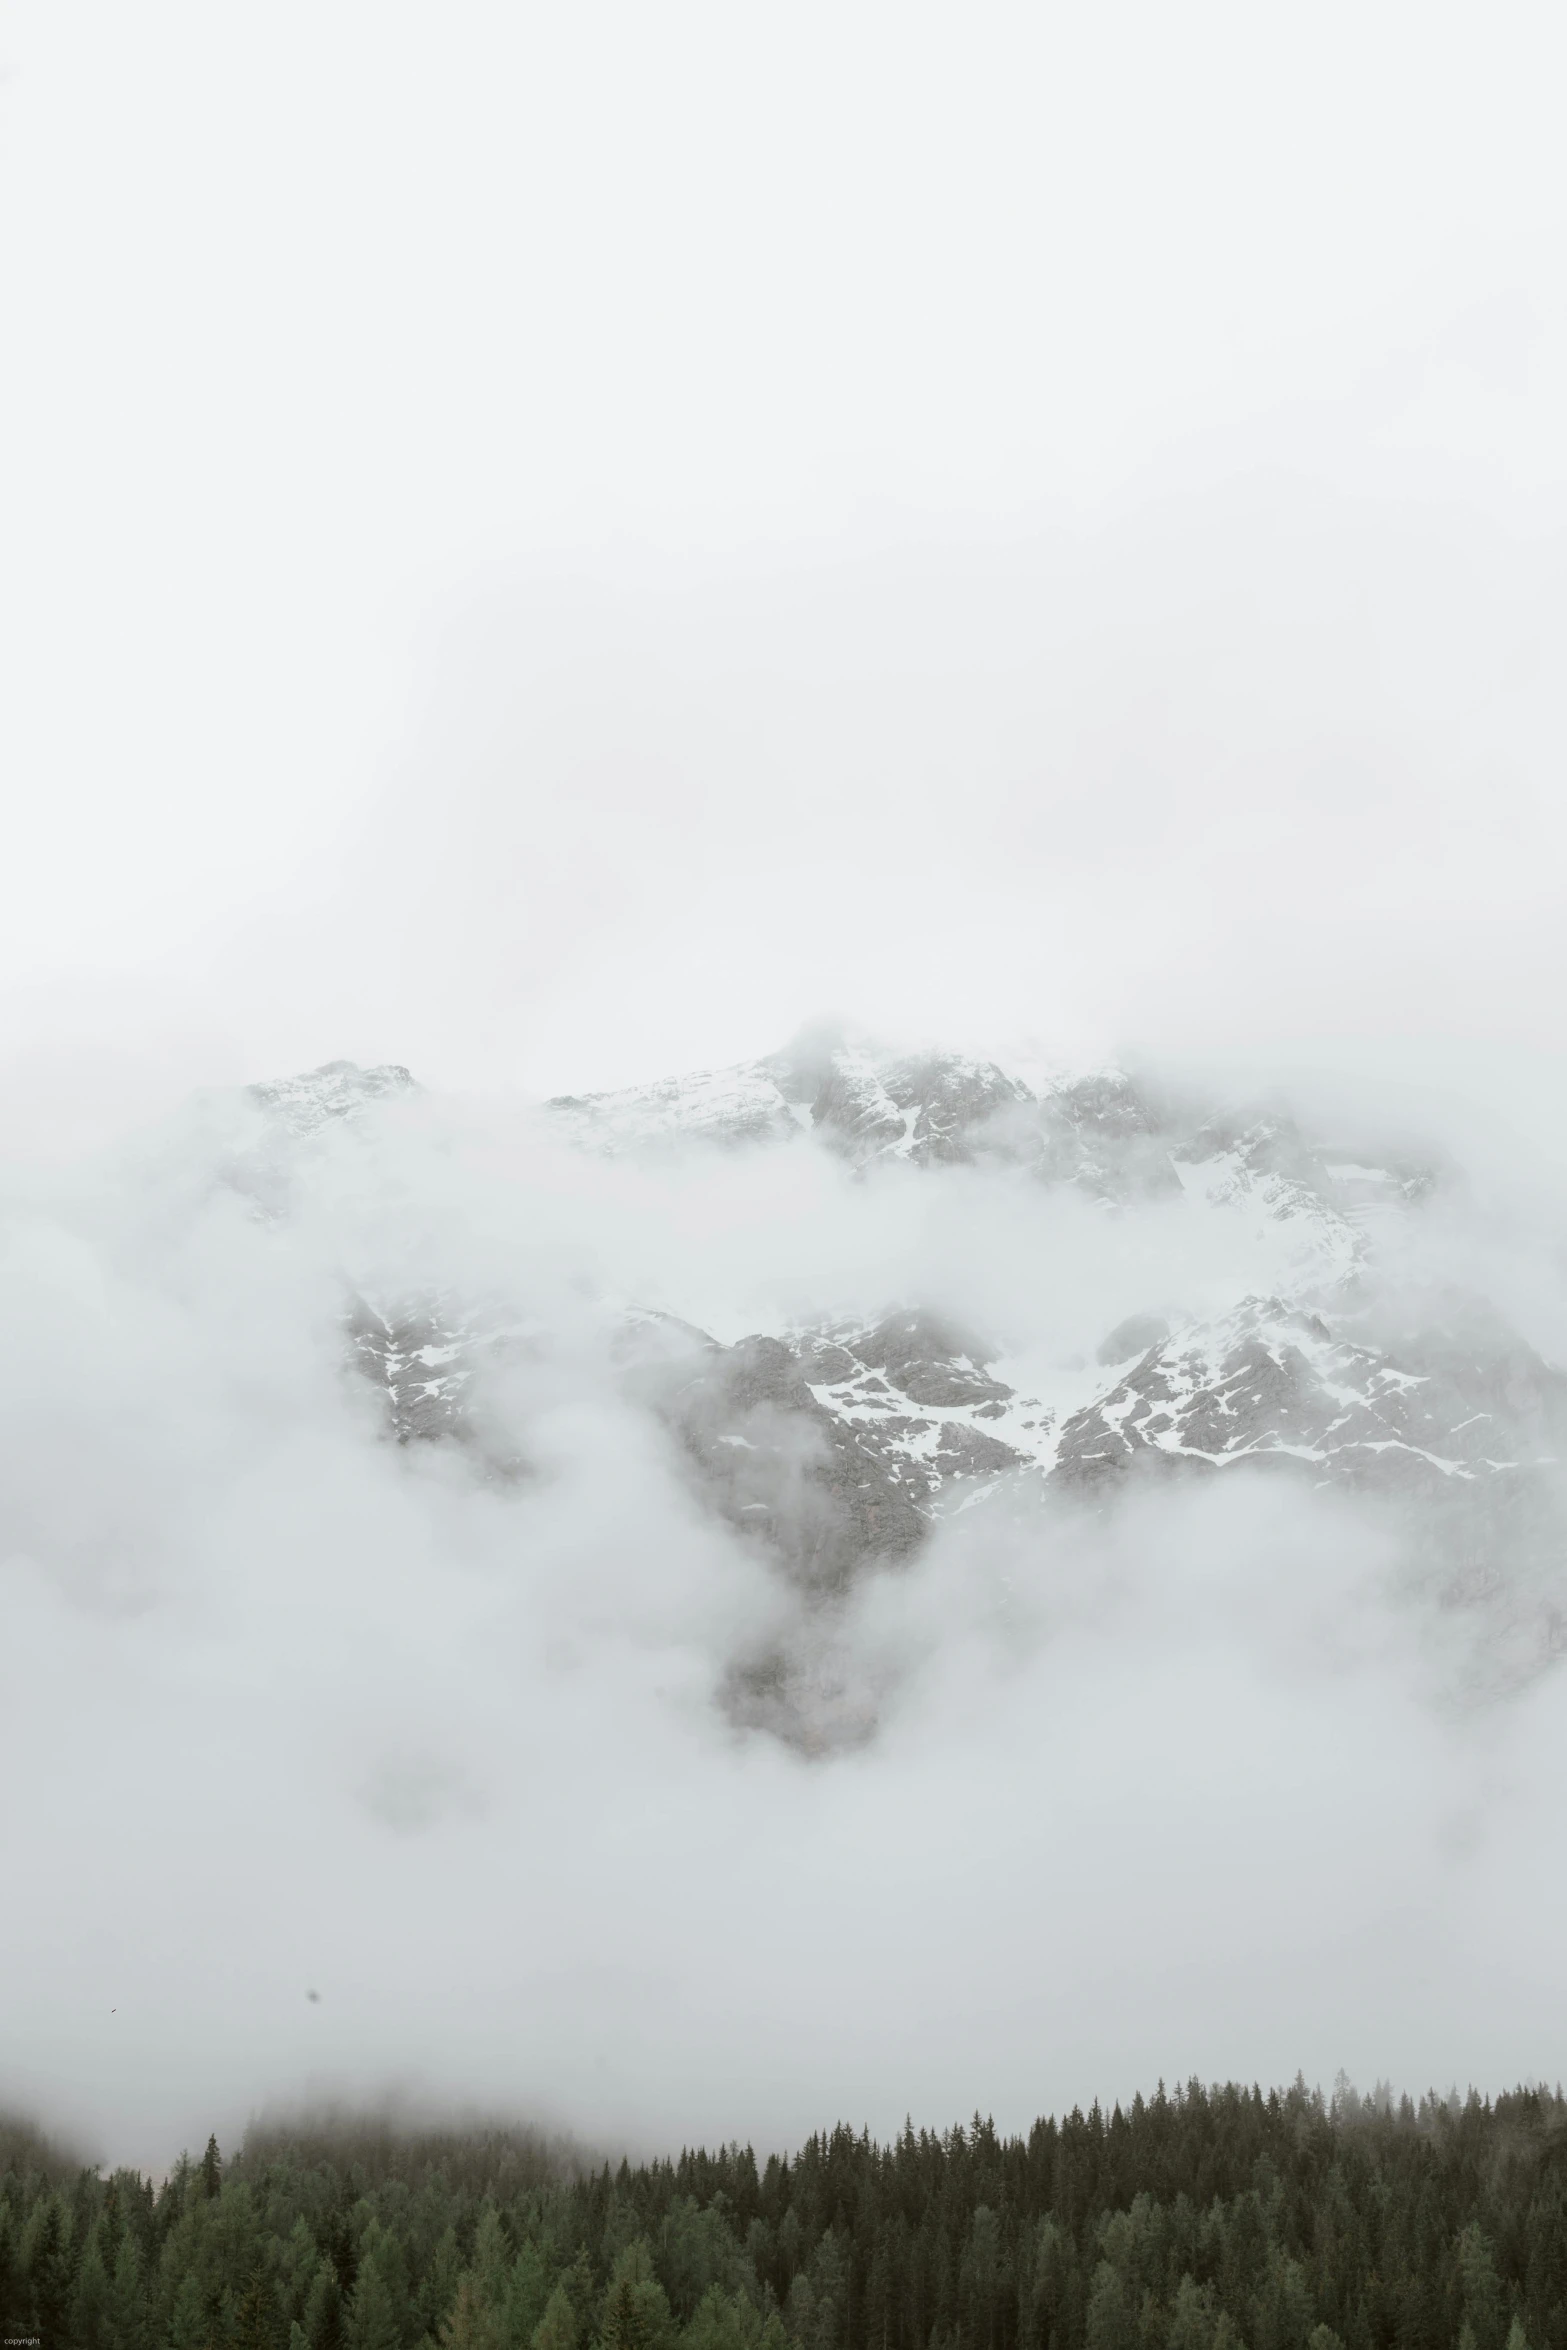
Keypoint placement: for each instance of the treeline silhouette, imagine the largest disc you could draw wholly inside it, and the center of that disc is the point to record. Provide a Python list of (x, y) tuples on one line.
[(1210, 2219)]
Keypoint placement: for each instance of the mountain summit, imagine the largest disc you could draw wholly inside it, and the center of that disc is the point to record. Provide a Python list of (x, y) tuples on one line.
[(836, 1446)]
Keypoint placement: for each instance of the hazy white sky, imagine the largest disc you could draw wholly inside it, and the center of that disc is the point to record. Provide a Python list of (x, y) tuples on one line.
[(553, 543), (550, 543)]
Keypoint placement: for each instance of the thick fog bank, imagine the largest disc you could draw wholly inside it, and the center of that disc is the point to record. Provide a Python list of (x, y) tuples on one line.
[(339, 1765), (550, 546)]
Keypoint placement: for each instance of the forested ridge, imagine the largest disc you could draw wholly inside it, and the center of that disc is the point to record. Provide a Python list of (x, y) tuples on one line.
[(1210, 2219)]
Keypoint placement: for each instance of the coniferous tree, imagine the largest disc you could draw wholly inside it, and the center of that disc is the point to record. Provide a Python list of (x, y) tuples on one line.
[(1111, 2322), (472, 2323), (298, 2259), (13, 2305), (255, 2322), (1207, 2220), (557, 2328), (526, 2295), (636, 2308), (323, 2313), (438, 2286), (723, 2321), (48, 2267), (91, 2315), (1485, 2310), (491, 2262), (192, 2322), (374, 2321), (127, 2298)]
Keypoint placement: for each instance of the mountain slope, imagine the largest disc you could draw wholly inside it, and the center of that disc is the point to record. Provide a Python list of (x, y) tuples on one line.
[(836, 1446)]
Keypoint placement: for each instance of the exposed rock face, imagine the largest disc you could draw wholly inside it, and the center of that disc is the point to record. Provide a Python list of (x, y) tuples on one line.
[(1102, 1135), (1115, 1138), (918, 1396), (420, 1361), (1278, 1383), (933, 1110), (930, 1109), (834, 1446), (433, 1367), (833, 1449), (785, 1469)]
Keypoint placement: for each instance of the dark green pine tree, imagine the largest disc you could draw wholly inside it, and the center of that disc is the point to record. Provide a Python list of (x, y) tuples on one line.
[(1546, 2280), (255, 2324), (91, 2311), (374, 2322), (1485, 2304), (470, 2324), (192, 2323), (557, 2328), (1214, 2220), (13, 2309), (323, 2313), (1111, 2324), (979, 2280), (127, 2299), (47, 2255), (438, 2286), (636, 2312)]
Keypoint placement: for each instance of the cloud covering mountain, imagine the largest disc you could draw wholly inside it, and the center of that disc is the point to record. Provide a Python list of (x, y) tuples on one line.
[(658, 1605)]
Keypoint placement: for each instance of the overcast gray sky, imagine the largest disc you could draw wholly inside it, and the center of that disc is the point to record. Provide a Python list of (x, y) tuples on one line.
[(508, 511)]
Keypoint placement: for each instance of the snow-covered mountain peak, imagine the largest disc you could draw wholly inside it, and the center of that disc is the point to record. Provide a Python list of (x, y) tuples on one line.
[(1243, 1323), (724, 1107), (862, 1103), (338, 1089), (1105, 1134)]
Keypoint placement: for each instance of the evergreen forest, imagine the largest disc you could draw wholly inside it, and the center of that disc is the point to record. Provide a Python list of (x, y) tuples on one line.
[(1210, 2219)]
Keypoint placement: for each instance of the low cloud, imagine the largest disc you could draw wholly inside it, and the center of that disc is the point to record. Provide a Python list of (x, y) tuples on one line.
[(490, 1741)]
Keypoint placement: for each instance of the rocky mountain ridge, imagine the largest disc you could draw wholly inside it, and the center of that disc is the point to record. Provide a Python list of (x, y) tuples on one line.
[(837, 1447)]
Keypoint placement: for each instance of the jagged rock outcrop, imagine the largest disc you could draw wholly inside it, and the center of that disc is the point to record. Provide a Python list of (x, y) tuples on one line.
[(833, 1449), (420, 1363), (931, 1109), (1280, 1384), (783, 1467)]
